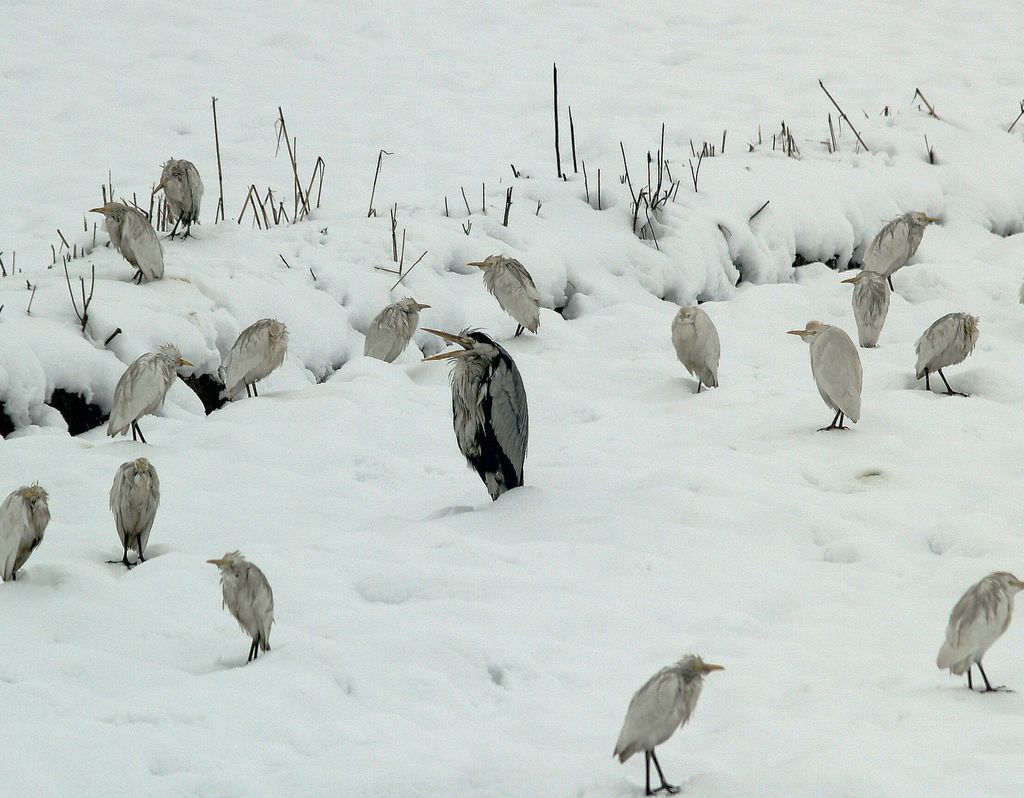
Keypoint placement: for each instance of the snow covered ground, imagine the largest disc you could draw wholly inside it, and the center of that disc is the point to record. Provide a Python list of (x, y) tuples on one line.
[(429, 642)]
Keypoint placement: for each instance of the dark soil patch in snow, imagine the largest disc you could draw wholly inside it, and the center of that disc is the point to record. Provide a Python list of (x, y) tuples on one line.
[(208, 388), (800, 260), (79, 414), (6, 425)]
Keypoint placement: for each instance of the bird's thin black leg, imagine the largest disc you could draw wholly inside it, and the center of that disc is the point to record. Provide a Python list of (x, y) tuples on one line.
[(519, 330), (174, 230), (699, 385), (647, 773), (137, 428), (927, 382), (255, 392), (137, 277), (835, 421), (988, 687), (134, 438), (970, 681), (252, 651), (949, 391), (123, 561), (188, 230), (671, 789), (140, 558), (891, 286)]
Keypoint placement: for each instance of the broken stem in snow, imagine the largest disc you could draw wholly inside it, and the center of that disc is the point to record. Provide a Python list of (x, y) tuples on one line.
[(843, 115), (421, 257)]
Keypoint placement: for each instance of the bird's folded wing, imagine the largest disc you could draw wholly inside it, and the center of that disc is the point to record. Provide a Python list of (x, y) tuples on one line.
[(509, 414)]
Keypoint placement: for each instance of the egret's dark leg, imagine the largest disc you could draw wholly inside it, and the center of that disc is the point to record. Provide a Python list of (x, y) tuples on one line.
[(949, 391), (647, 773), (891, 286), (124, 559), (137, 277), (138, 429), (699, 385), (519, 330), (255, 392), (970, 681), (252, 652), (671, 789), (134, 438), (927, 383), (835, 421), (248, 391), (140, 558), (988, 687), (188, 230)]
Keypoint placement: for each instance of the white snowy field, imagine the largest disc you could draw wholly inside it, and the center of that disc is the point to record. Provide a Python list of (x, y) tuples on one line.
[(429, 642)]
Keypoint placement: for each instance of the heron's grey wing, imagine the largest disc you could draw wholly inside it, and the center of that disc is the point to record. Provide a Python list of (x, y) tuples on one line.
[(837, 369), (890, 249), (510, 417), (195, 186), (652, 710), (261, 599), (247, 354)]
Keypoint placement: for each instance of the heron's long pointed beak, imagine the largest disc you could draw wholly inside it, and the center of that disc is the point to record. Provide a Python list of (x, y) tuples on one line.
[(478, 263), (421, 307), (795, 332), (449, 337), (933, 219), (102, 209), (451, 354), (159, 187), (218, 563), (853, 279), (709, 666), (183, 362)]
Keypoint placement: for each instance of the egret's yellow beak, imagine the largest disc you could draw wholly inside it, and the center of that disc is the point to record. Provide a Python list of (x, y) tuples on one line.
[(709, 666), (853, 279), (795, 332), (183, 362), (478, 263), (932, 219), (421, 307), (102, 209), (218, 563)]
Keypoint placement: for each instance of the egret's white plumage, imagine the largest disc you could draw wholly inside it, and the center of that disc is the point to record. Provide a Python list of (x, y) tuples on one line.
[(979, 619), (143, 388), (259, 349), (134, 237), (513, 287), (183, 189), (134, 498), (664, 704), (836, 368), (697, 346), (248, 597), (489, 410), (871, 295), (392, 329), (24, 515), (948, 341), (896, 243)]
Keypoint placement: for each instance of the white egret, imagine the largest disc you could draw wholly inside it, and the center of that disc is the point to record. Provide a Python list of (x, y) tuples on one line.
[(513, 287), (134, 237), (259, 349), (896, 243), (836, 368), (24, 515), (664, 704), (489, 411), (134, 498), (696, 341), (392, 329), (142, 389), (248, 597), (870, 305), (979, 619), (183, 189), (948, 341)]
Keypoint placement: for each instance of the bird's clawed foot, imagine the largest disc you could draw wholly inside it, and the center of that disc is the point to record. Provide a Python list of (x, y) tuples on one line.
[(123, 561), (837, 423)]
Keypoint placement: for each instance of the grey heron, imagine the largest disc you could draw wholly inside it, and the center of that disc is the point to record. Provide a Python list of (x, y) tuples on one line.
[(696, 341), (513, 287), (870, 305), (134, 498), (836, 368), (259, 349), (248, 597), (896, 243), (142, 389), (979, 619), (664, 704), (24, 515), (183, 189), (489, 411), (392, 329), (948, 341), (134, 237)]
